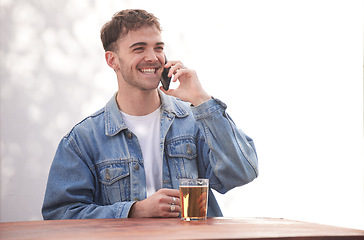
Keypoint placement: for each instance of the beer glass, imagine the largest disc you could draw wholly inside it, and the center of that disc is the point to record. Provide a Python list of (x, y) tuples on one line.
[(194, 196)]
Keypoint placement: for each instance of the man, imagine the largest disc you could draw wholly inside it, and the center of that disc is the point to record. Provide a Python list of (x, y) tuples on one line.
[(126, 159)]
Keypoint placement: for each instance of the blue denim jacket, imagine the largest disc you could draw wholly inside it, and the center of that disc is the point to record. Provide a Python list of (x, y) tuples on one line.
[(98, 169)]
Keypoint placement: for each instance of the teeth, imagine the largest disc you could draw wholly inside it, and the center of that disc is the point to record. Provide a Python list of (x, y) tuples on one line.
[(148, 70)]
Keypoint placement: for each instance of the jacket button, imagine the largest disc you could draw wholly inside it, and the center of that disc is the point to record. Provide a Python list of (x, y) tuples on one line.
[(189, 150), (136, 199), (136, 167), (129, 135), (108, 177)]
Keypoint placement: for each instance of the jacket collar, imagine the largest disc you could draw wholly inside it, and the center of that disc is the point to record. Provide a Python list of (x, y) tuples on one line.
[(114, 123), (173, 105)]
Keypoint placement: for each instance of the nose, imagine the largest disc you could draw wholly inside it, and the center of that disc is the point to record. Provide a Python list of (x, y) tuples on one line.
[(150, 56)]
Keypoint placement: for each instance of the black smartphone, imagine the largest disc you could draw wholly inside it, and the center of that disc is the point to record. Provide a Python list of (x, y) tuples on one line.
[(165, 80)]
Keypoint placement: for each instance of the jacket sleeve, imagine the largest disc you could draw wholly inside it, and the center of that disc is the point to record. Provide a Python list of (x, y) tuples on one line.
[(226, 155), (71, 188)]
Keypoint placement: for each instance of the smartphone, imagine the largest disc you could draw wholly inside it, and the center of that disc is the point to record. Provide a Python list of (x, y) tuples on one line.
[(165, 80)]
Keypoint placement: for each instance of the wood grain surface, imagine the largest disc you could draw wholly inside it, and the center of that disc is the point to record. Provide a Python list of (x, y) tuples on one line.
[(172, 228)]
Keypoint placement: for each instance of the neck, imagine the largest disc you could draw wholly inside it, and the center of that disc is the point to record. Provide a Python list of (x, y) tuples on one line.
[(138, 103)]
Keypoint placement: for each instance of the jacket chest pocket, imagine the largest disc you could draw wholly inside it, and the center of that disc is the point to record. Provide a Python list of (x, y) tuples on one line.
[(115, 182), (182, 154)]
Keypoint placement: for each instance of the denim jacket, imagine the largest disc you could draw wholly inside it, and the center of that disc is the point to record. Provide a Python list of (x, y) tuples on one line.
[(98, 169)]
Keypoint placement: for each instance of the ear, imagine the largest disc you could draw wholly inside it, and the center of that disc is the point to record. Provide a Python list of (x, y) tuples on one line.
[(112, 60)]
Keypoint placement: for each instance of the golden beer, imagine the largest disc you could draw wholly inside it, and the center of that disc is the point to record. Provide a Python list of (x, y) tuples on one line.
[(193, 199)]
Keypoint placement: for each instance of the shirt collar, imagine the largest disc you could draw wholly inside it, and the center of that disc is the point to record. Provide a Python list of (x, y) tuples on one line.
[(114, 123)]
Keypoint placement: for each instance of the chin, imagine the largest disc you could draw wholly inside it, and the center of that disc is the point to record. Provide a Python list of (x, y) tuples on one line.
[(150, 88)]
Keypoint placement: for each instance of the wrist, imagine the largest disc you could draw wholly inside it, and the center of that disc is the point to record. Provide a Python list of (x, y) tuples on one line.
[(201, 99), (133, 213)]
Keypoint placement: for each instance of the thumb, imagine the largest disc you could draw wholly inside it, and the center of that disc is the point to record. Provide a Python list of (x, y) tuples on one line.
[(169, 92)]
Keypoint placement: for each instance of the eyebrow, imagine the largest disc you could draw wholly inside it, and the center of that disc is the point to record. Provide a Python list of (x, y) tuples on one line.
[(144, 44)]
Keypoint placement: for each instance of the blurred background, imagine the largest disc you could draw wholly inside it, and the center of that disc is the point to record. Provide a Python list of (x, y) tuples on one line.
[(290, 71)]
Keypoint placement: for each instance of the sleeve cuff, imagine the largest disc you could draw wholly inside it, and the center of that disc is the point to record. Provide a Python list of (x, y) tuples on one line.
[(208, 108), (124, 209)]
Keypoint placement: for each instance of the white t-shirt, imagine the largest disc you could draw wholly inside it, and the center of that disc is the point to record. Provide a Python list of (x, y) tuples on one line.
[(147, 130)]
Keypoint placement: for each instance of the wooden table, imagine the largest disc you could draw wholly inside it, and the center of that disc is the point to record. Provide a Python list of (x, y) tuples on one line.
[(162, 228)]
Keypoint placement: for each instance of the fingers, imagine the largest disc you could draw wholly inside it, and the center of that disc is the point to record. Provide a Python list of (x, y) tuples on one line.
[(189, 73), (171, 210), (175, 67), (177, 64), (176, 201), (170, 196), (170, 202), (169, 192), (163, 203), (189, 88)]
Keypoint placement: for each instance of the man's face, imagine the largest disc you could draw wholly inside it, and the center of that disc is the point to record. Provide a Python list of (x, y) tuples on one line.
[(141, 58)]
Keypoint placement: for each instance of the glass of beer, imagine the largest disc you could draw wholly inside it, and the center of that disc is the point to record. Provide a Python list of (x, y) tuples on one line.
[(194, 196)]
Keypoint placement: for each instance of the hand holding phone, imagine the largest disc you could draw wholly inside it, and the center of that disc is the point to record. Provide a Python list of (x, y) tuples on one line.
[(189, 89)]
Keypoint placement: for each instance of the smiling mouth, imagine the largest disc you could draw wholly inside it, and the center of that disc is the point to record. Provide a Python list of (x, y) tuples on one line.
[(148, 70)]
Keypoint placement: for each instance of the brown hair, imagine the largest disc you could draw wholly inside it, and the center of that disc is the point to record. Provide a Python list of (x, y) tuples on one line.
[(122, 23)]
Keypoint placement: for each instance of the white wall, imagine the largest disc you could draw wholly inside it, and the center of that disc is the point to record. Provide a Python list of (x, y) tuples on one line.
[(290, 72)]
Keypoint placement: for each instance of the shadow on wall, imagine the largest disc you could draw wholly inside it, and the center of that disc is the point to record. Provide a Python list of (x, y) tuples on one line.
[(52, 75)]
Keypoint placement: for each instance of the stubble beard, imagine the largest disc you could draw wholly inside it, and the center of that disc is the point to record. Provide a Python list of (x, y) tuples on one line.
[(131, 80)]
